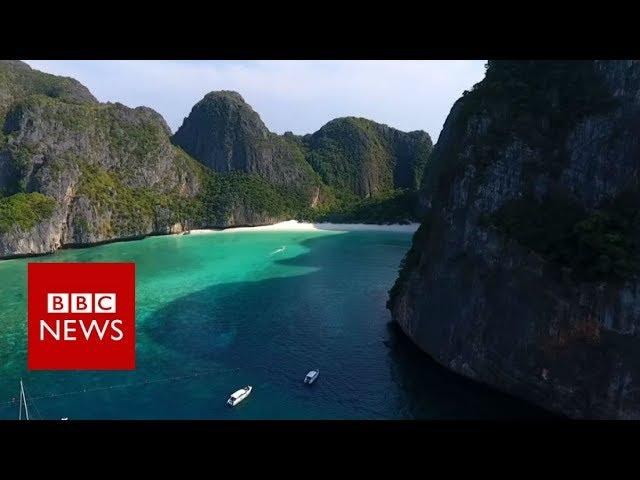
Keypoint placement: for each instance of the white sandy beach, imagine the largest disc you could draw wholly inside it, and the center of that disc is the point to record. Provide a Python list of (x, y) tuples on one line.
[(294, 225)]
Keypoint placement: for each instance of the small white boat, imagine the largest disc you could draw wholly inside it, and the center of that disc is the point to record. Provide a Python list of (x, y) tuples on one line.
[(239, 395), (311, 376)]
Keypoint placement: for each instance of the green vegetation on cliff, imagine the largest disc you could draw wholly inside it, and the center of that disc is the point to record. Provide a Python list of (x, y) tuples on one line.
[(24, 210), (125, 176), (343, 148), (365, 158), (396, 206), (535, 102), (224, 193), (531, 107), (410, 260), (598, 245), (18, 80)]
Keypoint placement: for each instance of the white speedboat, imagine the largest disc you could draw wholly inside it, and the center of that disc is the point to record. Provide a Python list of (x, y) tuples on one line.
[(239, 395), (311, 376)]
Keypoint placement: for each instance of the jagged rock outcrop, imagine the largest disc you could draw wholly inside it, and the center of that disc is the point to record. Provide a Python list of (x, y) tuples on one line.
[(354, 156), (524, 275), (224, 133)]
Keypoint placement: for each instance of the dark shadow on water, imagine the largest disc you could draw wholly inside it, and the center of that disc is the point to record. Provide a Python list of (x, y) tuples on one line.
[(274, 330)]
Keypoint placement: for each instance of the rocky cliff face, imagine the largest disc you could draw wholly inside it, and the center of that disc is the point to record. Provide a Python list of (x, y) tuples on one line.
[(18, 81), (524, 274), (109, 172), (224, 133)]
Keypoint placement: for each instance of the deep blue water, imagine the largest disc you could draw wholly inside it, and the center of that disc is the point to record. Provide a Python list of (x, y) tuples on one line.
[(217, 312)]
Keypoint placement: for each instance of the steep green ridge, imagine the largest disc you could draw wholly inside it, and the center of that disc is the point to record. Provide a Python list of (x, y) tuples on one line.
[(352, 169), (74, 171), (224, 133), (596, 244), (18, 81), (372, 170), (536, 104), (107, 171), (366, 158), (516, 94)]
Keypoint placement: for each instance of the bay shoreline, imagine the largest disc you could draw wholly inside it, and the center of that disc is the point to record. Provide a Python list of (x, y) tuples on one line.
[(294, 225)]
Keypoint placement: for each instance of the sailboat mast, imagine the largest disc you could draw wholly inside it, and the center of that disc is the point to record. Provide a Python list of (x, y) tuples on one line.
[(23, 398)]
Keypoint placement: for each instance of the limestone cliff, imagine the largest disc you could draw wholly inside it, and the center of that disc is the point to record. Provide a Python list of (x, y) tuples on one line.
[(224, 133), (109, 171), (524, 274)]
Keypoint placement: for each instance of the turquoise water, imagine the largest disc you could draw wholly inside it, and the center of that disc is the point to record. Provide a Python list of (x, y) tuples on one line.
[(216, 312)]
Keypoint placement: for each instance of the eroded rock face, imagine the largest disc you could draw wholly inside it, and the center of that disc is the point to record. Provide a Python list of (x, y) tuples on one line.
[(224, 133), (110, 170), (18, 81), (543, 305)]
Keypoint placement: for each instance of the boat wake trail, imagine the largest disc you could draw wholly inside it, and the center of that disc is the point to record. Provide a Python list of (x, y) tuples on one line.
[(278, 250)]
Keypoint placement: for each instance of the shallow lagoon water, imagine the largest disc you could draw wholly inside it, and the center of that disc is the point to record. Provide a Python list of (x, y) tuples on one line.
[(216, 312)]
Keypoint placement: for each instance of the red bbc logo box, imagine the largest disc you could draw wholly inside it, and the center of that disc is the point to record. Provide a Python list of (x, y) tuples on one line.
[(81, 316)]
